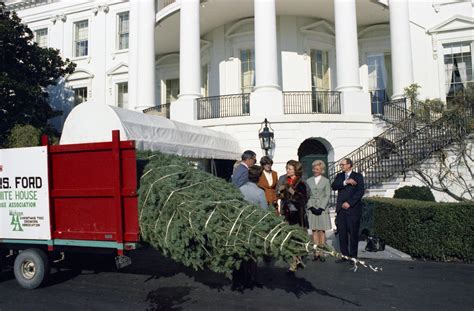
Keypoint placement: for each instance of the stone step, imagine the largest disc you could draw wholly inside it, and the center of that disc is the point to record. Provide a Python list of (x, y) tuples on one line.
[(386, 185)]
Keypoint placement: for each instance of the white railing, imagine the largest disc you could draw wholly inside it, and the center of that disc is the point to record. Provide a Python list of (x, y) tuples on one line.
[(161, 4)]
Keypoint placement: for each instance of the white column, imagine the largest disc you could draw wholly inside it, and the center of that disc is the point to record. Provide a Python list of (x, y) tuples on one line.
[(141, 70), (184, 109), (98, 52), (347, 49), (267, 97), (266, 65), (133, 54), (57, 32), (58, 95), (354, 100), (400, 40)]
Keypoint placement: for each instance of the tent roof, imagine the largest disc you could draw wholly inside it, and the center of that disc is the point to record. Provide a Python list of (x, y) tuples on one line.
[(93, 122)]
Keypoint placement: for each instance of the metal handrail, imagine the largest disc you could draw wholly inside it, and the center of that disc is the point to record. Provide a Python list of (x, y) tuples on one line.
[(160, 110), (404, 145), (394, 111), (223, 106), (316, 102), (378, 98)]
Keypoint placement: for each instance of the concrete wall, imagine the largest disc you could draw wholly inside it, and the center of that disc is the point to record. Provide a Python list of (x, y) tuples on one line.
[(428, 65)]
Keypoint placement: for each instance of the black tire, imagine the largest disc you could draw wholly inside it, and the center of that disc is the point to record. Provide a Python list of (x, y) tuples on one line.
[(31, 268)]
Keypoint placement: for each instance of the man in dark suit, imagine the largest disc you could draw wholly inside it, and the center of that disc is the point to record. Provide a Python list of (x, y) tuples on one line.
[(350, 189), (241, 172)]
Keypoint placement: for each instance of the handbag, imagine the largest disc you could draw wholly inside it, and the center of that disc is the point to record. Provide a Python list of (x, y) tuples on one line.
[(374, 244), (316, 211)]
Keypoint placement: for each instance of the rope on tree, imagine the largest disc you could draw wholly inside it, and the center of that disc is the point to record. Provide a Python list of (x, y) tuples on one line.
[(204, 222)]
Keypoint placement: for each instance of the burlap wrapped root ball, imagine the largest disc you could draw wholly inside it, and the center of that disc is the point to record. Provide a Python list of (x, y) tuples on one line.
[(202, 221)]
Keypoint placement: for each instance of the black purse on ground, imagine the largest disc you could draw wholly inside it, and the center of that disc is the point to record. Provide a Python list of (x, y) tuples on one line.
[(374, 244)]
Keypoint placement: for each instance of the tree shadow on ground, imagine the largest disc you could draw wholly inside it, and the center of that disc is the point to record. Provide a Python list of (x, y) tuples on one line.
[(168, 298), (269, 276), (274, 278)]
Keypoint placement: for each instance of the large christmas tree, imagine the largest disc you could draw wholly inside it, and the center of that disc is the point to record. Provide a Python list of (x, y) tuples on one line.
[(203, 222)]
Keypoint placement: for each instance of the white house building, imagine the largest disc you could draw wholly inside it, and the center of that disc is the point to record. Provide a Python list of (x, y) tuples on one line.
[(317, 70)]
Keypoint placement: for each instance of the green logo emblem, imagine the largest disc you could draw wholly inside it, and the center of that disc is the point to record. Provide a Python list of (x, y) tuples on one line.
[(16, 221)]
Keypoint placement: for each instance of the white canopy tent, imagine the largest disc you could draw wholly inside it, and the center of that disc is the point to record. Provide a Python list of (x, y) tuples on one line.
[(93, 122)]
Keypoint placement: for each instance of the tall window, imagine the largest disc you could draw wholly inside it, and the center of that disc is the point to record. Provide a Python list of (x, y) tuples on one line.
[(205, 80), (320, 82), (41, 37), (247, 60), (380, 79), (80, 95), (319, 70), (172, 90), (81, 42), (458, 67), (122, 94), (123, 30)]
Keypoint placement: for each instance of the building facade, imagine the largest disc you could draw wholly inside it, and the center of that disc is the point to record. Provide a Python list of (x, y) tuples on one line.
[(319, 71)]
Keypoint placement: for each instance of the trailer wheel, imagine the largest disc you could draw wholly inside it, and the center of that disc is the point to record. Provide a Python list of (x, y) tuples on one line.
[(31, 268)]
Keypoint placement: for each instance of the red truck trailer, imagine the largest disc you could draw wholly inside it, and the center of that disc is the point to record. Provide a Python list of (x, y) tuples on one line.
[(56, 199)]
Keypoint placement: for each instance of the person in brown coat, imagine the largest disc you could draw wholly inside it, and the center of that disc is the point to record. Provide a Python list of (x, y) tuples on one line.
[(268, 181)]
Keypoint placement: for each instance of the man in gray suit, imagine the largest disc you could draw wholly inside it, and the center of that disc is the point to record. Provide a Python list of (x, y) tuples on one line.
[(251, 192), (241, 172)]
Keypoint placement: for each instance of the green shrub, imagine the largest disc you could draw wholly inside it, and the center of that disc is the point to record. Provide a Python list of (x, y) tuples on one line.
[(24, 136), (439, 231), (419, 193), (30, 136), (367, 219)]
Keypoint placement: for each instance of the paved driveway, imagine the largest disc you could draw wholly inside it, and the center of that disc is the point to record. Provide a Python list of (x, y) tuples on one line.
[(157, 283)]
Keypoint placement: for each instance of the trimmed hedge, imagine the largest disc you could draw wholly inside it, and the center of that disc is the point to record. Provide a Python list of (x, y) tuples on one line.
[(438, 231), (420, 193)]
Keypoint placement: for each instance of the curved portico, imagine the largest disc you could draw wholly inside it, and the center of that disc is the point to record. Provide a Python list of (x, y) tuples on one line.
[(277, 52), (229, 65)]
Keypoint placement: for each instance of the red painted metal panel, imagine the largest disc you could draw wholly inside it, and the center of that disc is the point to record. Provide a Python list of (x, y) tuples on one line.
[(45, 142), (118, 202), (93, 191)]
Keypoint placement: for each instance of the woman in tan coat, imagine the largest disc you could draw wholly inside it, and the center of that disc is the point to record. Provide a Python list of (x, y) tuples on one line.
[(268, 181), (318, 210)]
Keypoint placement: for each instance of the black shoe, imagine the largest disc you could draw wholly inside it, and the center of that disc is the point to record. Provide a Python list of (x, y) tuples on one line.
[(341, 260), (322, 259)]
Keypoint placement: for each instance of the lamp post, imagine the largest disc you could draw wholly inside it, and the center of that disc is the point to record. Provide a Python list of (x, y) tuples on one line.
[(266, 135)]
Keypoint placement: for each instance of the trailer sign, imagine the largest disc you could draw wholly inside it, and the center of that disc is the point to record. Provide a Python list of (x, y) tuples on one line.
[(24, 194)]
